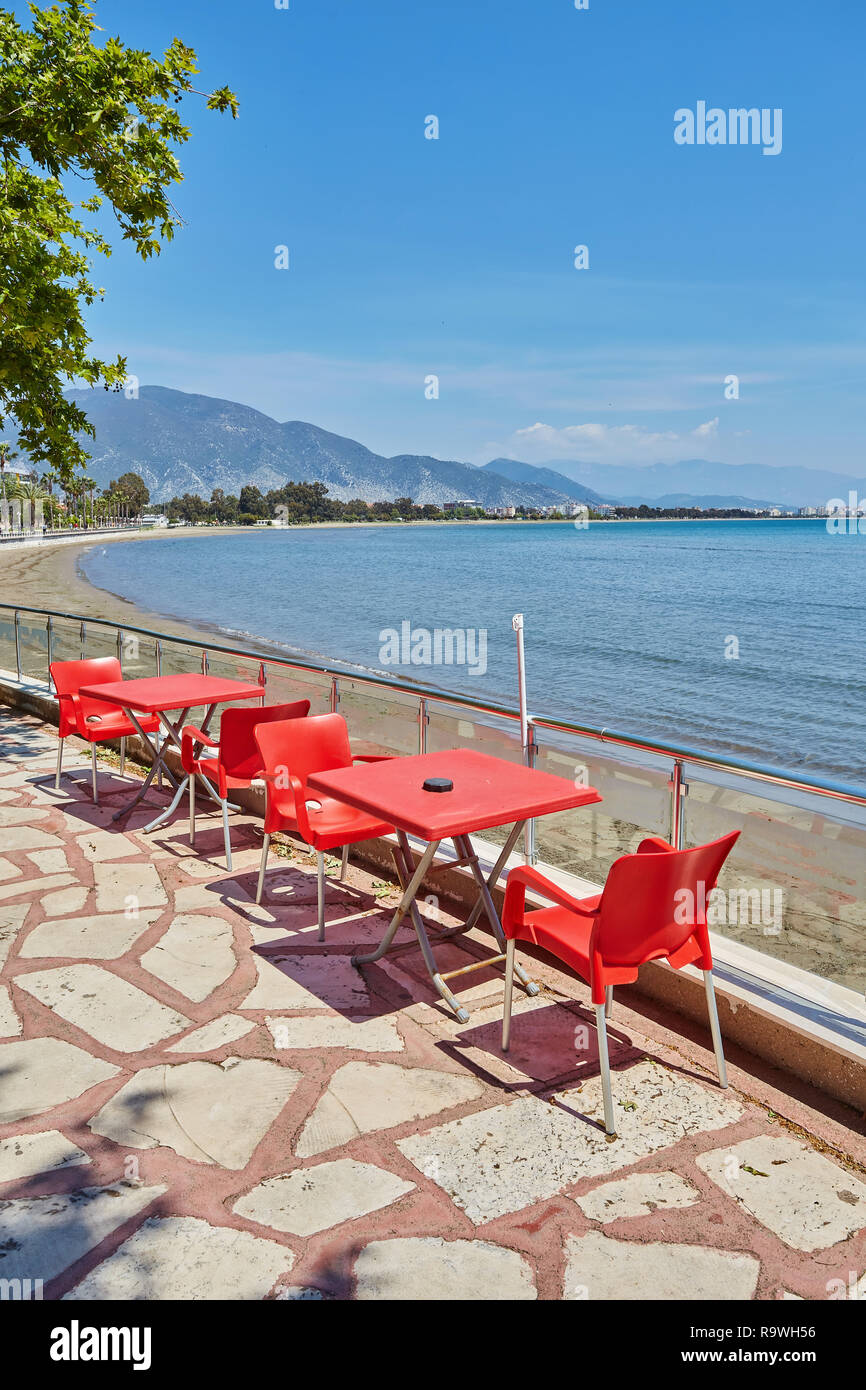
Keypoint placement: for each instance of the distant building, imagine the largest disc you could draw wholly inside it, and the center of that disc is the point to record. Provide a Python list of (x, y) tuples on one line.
[(466, 502)]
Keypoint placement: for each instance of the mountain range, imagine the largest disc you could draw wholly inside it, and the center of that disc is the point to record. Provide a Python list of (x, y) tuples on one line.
[(179, 442), (695, 482), (185, 443)]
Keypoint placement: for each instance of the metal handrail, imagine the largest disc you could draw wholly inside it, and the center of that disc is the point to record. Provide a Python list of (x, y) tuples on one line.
[(775, 776)]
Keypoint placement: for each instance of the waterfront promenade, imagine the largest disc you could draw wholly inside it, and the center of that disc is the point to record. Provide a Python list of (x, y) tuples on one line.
[(200, 1101)]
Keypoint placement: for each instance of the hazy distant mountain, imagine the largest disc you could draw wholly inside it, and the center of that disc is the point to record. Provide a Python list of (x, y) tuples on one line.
[(184, 443), (545, 477), (748, 484)]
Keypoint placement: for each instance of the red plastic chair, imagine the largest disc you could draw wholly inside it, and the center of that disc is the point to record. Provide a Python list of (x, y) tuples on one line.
[(237, 760), (290, 752), (91, 719), (652, 908)]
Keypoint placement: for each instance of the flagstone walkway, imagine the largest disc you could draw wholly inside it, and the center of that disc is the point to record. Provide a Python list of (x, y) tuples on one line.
[(198, 1100)]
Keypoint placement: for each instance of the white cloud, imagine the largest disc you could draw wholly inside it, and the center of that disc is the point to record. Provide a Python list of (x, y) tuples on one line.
[(709, 430), (595, 442)]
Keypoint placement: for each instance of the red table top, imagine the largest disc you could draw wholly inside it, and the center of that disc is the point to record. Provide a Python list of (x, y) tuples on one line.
[(154, 693), (487, 791)]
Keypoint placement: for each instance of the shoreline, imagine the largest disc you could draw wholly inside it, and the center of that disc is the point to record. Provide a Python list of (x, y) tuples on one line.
[(49, 576)]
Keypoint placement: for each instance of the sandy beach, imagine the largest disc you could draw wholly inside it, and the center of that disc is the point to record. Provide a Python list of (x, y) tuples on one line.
[(47, 575)]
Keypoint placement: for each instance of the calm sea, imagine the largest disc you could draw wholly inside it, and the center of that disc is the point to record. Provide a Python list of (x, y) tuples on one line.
[(746, 637)]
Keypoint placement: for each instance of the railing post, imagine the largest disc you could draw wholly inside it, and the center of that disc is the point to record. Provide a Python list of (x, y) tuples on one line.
[(529, 752), (120, 647), (205, 663), (17, 644), (679, 788), (49, 638), (423, 721), (157, 651), (263, 680), (335, 695), (82, 637)]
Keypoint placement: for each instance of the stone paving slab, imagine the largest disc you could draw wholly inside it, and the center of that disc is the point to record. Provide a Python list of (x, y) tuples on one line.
[(12, 918), (307, 982), (120, 885), (65, 901), (111, 1010), (334, 1030), (637, 1195), (186, 1258), (18, 887), (313, 1199), (194, 955), (215, 1034), (10, 1024), (557, 1144), (438, 1270), (601, 1268), (48, 1151), (808, 1201), (40, 1237), (365, 1096), (100, 845), (206, 1112), (106, 936), (50, 861), (26, 836), (41, 1073)]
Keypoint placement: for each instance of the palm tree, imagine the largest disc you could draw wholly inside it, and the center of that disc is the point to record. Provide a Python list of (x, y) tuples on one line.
[(27, 489), (6, 453)]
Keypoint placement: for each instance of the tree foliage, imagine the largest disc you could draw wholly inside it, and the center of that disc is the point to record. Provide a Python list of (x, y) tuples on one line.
[(99, 114)]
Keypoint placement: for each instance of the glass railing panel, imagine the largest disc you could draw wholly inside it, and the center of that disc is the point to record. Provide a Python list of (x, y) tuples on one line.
[(794, 886), (452, 726), (385, 719), (285, 685), (7, 640), (65, 640), (33, 643), (636, 803), (99, 640), (137, 655)]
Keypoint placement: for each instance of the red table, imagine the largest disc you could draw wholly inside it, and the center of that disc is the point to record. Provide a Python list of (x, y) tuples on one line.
[(487, 792), (160, 695)]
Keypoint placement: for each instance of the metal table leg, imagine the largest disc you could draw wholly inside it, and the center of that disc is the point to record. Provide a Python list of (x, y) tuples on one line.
[(490, 908), (411, 886), (157, 764), (172, 736)]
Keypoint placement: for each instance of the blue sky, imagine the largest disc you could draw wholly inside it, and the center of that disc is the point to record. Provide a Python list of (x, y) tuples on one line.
[(454, 257)]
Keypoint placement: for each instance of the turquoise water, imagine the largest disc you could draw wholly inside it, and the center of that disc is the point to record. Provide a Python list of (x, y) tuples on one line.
[(627, 625)]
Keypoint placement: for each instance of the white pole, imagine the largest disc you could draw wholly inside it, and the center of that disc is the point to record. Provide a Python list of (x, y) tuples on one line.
[(529, 830), (517, 624)]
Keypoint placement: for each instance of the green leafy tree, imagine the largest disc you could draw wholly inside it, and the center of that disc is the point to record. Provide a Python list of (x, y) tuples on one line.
[(252, 503), (105, 114), (131, 489)]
